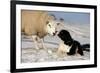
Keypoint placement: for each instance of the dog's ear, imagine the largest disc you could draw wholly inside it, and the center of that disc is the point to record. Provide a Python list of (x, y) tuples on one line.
[(68, 36)]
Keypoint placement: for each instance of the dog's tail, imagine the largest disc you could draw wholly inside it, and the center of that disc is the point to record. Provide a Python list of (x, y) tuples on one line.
[(86, 47)]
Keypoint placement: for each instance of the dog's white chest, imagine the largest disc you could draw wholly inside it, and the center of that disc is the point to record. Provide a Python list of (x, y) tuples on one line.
[(67, 48)]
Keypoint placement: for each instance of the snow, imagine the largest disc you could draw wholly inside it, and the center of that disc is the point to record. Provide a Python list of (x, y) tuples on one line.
[(79, 32)]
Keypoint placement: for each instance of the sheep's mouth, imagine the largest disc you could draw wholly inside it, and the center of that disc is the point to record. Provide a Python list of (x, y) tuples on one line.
[(55, 33)]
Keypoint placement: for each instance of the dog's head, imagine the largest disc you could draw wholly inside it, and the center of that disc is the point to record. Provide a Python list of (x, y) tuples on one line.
[(65, 35)]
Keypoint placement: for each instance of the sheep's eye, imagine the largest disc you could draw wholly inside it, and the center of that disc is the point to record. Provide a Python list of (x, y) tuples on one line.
[(49, 25)]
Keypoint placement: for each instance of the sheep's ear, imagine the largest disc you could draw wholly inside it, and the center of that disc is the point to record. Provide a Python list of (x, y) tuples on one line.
[(53, 17), (58, 24), (47, 22), (61, 19)]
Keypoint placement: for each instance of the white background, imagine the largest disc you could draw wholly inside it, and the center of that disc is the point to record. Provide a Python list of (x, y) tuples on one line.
[(5, 36)]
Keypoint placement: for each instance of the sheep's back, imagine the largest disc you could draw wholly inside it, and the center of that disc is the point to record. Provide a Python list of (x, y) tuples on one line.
[(34, 22)]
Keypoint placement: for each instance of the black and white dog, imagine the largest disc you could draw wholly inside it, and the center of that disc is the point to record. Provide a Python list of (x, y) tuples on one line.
[(69, 46)]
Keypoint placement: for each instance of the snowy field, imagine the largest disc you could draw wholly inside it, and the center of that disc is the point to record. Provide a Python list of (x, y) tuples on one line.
[(79, 32)]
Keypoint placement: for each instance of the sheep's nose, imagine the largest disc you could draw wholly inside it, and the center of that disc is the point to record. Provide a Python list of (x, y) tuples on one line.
[(56, 31), (54, 34)]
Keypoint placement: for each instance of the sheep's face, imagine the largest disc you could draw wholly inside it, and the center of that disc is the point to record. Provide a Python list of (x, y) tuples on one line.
[(51, 27)]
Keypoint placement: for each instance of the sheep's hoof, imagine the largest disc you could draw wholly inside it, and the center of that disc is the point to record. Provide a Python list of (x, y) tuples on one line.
[(37, 48), (44, 48), (49, 51)]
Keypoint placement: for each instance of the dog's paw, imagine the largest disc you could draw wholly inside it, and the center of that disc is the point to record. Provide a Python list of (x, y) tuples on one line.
[(61, 54), (69, 53)]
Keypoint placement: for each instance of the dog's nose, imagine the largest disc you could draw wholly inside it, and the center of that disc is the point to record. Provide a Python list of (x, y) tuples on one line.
[(58, 34)]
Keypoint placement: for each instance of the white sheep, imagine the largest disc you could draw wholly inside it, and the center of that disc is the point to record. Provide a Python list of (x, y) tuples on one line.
[(37, 24)]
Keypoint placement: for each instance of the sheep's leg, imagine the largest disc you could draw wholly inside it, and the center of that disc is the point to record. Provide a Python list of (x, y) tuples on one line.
[(43, 45), (35, 39)]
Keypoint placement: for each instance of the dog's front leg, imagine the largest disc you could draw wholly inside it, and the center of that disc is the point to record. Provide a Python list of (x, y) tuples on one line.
[(61, 50)]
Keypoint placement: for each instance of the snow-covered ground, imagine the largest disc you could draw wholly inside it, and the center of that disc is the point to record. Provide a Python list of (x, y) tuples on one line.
[(79, 32)]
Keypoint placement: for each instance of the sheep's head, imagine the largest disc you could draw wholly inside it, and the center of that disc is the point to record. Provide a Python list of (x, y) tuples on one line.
[(51, 27)]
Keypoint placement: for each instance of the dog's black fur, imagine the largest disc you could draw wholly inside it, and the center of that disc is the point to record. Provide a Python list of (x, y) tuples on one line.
[(76, 47)]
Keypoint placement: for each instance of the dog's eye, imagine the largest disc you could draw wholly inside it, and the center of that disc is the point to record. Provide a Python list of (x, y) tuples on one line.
[(61, 32)]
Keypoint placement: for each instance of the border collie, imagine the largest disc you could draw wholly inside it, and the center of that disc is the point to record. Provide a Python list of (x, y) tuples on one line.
[(70, 46)]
